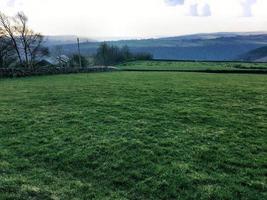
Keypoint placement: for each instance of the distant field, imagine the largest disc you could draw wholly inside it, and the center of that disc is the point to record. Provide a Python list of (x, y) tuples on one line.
[(134, 135), (171, 65)]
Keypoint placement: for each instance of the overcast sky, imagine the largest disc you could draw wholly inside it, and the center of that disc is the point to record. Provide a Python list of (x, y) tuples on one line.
[(140, 18)]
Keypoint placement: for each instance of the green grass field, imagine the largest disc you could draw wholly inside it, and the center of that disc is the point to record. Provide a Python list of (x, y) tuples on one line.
[(171, 65), (133, 135)]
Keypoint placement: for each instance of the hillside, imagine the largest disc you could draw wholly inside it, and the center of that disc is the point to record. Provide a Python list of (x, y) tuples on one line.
[(217, 46), (51, 41), (259, 54)]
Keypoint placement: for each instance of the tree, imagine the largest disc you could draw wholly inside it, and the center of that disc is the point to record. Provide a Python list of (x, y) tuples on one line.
[(102, 54), (127, 55), (21, 29), (30, 41), (27, 43), (6, 52), (9, 31), (108, 55)]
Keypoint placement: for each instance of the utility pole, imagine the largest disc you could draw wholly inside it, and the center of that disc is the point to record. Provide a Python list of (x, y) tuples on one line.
[(79, 52)]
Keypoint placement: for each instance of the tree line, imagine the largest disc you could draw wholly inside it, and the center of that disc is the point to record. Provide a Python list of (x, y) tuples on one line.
[(110, 55)]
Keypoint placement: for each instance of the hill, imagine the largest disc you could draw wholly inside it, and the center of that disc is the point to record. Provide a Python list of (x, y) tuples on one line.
[(63, 40), (216, 46), (259, 54)]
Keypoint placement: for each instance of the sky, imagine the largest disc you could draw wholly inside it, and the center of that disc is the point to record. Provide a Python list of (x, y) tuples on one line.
[(106, 19)]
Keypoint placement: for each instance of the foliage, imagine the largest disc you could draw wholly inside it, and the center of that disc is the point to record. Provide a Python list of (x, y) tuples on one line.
[(110, 55), (133, 136)]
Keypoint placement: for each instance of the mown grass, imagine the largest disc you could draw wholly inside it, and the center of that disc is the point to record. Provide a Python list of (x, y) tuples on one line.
[(171, 65), (134, 136)]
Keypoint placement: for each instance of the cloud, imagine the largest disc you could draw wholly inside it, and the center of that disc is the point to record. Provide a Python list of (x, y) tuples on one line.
[(204, 10), (175, 2), (11, 3), (199, 10), (195, 7), (192, 11), (247, 7)]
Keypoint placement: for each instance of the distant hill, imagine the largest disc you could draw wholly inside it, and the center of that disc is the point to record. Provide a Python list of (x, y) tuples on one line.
[(215, 46), (259, 54), (63, 40)]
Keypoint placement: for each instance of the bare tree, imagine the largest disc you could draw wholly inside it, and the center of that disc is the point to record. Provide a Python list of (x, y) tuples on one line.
[(6, 51), (35, 49), (8, 30), (26, 42), (20, 27), (31, 42)]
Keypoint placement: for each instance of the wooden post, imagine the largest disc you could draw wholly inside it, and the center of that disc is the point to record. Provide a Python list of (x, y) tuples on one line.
[(79, 51)]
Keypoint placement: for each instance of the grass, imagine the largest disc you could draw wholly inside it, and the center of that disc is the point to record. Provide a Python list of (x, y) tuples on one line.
[(134, 136), (171, 65)]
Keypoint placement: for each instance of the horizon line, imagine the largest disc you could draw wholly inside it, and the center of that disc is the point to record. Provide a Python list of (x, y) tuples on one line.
[(121, 38)]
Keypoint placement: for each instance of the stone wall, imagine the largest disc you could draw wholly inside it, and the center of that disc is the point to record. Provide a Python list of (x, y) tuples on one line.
[(12, 73)]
